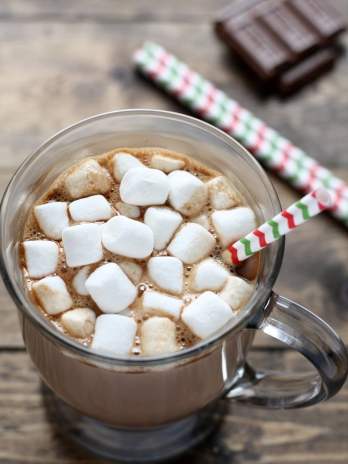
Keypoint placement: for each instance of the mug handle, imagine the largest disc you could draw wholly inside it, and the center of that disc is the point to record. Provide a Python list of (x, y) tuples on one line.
[(300, 329)]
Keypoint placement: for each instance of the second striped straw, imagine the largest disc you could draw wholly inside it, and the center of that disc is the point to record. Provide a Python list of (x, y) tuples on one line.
[(268, 146)]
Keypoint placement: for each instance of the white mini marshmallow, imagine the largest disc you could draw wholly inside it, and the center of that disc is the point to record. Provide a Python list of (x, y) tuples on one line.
[(144, 186), (127, 237), (221, 193), (133, 270), (236, 292), (89, 209), (202, 220), (114, 335), (123, 162), (41, 257), (52, 294), (110, 288), (79, 322), (163, 222), (82, 244), (167, 273), (158, 336), (233, 224), (52, 218), (166, 164), (130, 211), (164, 304), (192, 243), (187, 193), (79, 281), (87, 179), (207, 314), (208, 275)]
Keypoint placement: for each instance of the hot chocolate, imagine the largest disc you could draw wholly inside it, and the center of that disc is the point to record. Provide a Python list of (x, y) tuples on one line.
[(124, 252)]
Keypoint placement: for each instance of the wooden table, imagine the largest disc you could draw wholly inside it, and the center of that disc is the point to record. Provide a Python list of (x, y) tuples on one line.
[(63, 61)]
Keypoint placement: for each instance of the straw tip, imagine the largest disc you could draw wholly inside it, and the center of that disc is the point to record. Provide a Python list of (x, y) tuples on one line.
[(324, 197)]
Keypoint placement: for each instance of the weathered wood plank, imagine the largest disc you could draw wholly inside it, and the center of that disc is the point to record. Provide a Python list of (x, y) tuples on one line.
[(10, 335), (55, 74), (109, 10), (247, 435), (115, 10)]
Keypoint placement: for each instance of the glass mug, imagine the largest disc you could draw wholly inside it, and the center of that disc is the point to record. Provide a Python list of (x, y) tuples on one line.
[(146, 409)]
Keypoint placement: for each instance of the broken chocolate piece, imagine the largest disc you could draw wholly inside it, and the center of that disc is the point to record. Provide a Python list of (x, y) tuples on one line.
[(285, 42), (307, 70)]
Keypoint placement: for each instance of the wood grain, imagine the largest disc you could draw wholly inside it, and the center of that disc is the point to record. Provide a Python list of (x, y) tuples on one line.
[(49, 80), (102, 11), (63, 61), (246, 436)]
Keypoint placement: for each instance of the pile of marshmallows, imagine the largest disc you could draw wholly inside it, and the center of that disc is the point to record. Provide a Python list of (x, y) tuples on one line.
[(90, 224)]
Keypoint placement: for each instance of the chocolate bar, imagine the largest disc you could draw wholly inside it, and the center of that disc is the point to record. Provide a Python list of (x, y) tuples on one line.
[(284, 42)]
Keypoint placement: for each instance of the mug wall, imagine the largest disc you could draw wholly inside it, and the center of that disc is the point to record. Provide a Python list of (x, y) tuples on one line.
[(119, 395), (137, 397)]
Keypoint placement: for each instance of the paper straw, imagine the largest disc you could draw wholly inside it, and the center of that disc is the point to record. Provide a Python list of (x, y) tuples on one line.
[(283, 223), (269, 147)]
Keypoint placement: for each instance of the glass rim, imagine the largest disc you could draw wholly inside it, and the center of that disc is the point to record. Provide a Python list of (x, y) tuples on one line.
[(259, 297)]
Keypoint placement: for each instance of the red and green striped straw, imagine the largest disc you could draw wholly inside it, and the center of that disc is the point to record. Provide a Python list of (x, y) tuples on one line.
[(269, 147), (283, 223)]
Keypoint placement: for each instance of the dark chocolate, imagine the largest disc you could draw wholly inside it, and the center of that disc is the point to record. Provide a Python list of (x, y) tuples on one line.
[(321, 16), (285, 42), (306, 70), (290, 29), (256, 45)]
